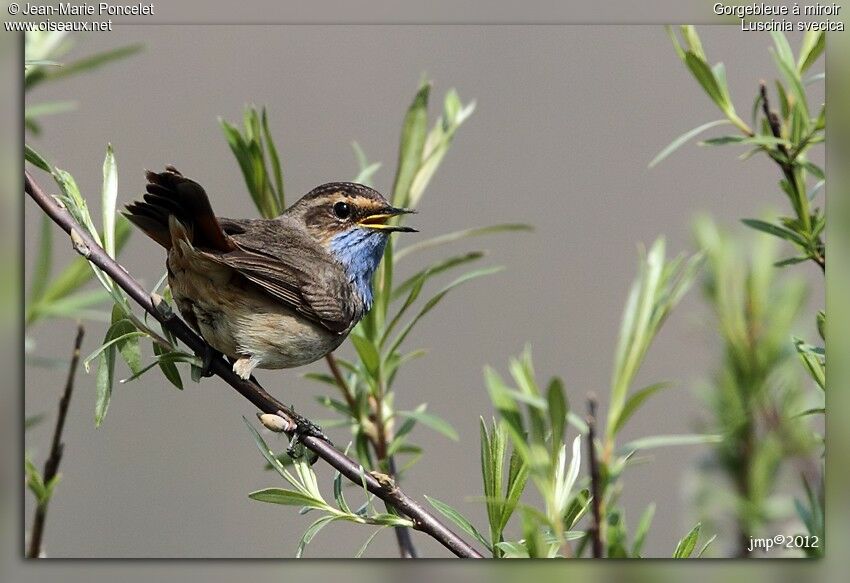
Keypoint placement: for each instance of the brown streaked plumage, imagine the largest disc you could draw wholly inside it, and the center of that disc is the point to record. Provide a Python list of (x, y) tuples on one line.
[(268, 293)]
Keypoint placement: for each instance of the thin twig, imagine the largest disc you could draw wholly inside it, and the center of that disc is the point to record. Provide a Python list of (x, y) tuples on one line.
[(595, 485), (388, 492), (405, 543), (786, 165), (51, 466), (340, 381)]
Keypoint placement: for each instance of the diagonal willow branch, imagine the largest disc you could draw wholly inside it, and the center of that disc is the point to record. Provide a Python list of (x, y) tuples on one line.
[(383, 488)]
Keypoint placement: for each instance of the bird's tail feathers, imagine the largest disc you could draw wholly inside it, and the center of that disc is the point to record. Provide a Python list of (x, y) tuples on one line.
[(177, 207)]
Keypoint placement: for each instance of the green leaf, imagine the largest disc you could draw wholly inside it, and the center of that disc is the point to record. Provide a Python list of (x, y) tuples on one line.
[(413, 135), (366, 544), (706, 545), (683, 139), (275, 161), (783, 49), (813, 359), (104, 381), (167, 366), (703, 74), (32, 112), (461, 521), (557, 407), (34, 420), (368, 354), (669, 440), (791, 261), (642, 529), (457, 236), (311, 532), (689, 33), (36, 159), (108, 200), (775, 230), (634, 402), (436, 423), (792, 77), (687, 544), (84, 65), (287, 498)]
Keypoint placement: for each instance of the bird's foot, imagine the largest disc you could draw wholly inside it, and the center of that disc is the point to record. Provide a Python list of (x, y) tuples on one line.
[(207, 359), (304, 428)]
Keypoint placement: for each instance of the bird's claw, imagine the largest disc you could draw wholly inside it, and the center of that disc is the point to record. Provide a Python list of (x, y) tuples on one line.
[(304, 428)]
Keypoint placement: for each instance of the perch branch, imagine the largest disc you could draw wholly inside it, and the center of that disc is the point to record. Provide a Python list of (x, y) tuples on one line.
[(51, 466), (386, 490), (595, 485)]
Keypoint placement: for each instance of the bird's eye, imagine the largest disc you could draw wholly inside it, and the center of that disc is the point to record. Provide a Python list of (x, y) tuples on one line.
[(342, 210)]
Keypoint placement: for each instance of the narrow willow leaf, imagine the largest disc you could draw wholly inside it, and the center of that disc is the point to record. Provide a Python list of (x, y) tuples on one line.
[(287, 498), (792, 77), (703, 74), (557, 407), (413, 135), (460, 520), (634, 402), (86, 64), (436, 423), (684, 138), (34, 420), (36, 159), (643, 529), (368, 353), (669, 440), (689, 33), (275, 161), (109, 197), (168, 368), (311, 532), (775, 230), (687, 544), (705, 546), (813, 359), (517, 479), (103, 382), (49, 108), (366, 544), (783, 49), (791, 261)]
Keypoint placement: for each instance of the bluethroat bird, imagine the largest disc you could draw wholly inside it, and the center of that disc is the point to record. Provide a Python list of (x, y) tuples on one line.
[(269, 293)]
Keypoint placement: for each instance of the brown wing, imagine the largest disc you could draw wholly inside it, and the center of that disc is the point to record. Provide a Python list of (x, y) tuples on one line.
[(283, 261)]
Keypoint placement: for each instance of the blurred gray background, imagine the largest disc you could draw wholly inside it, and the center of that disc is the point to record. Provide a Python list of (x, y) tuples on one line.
[(568, 118)]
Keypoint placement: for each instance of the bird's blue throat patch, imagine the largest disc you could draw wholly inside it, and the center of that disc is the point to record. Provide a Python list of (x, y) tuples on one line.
[(360, 251)]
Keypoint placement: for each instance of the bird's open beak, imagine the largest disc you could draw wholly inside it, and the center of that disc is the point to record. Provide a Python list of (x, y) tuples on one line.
[(378, 221)]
